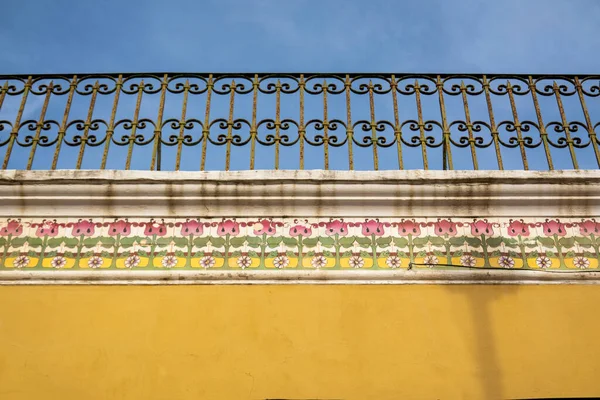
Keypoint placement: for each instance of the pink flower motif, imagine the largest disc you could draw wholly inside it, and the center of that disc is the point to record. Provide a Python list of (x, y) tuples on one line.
[(554, 227), (372, 227), (83, 227), (266, 227), (14, 227), (192, 227), (481, 227), (47, 228), (445, 227), (120, 227), (155, 228), (298, 230), (409, 227), (589, 227), (338, 227), (228, 227), (516, 228)]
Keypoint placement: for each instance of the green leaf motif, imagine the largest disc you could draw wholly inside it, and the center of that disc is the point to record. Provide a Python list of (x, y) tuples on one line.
[(310, 242), (217, 241), (570, 254), (181, 241), (364, 254), (35, 242), (236, 254), (494, 241), (326, 241), (401, 242), (253, 241), (274, 241), (201, 241), (163, 241), (384, 242), (550, 253), (253, 254), (567, 242), (237, 241), (272, 254), (2, 241), (363, 242), (584, 241), (18, 242), (509, 242), (436, 240), (457, 241), (347, 241), (290, 241), (420, 242), (546, 242), (473, 242)]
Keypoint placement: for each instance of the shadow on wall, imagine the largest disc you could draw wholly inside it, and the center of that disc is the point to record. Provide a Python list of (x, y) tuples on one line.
[(484, 334)]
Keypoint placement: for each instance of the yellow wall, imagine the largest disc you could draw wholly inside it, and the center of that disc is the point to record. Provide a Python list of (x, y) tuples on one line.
[(256, 342)]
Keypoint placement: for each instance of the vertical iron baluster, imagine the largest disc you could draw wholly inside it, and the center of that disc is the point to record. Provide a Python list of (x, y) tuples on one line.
[(421, 125), (277, 121), (463, 90), (86, 126), (517, 124), (494, 128), (373, 126), (3, 91), (186, 89), (446, 149), (397, 126), (15, 130), (206, 127), (134, 124), (40, 125), (349, 129), (230, 126), (156, 156), (301, 127), (65, 120), (588, 121), (538, 113), (565, 125), (111, 125), (253, 128), (325, 125)]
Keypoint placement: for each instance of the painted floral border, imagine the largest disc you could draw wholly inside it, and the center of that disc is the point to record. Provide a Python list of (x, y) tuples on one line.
[(265, 243)]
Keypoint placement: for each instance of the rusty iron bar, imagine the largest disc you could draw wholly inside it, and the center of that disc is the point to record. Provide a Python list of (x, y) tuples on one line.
[(373, 127), (134, 124), (253, 127), (565, 125), (421, 124), (493, 127), (588, 122), (40, 125), (206, 126), (349, 129), (15, 130), (158, 126), (19, 100), (111, 125), (86, 127), (517, 124), (469, 125), (180, 138), (542, 126), (397, 125)]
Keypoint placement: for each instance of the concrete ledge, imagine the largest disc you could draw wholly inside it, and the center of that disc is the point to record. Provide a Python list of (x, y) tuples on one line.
[(300, 193), (208, 277)]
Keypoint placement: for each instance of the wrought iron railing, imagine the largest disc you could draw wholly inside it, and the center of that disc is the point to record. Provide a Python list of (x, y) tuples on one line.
[(299, 121)]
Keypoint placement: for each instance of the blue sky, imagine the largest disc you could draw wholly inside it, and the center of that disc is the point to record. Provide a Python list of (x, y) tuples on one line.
[(516, 36), (476, 36)]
